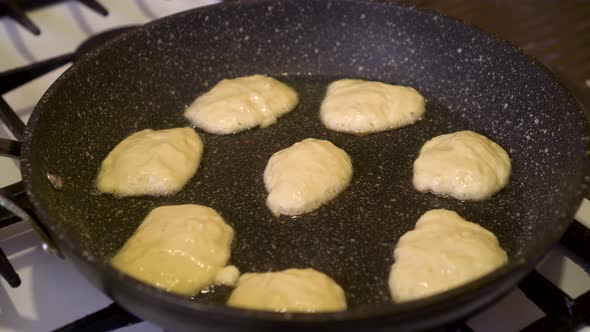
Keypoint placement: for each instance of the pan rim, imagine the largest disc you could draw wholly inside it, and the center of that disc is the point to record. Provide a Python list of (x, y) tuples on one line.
[(507, 275)]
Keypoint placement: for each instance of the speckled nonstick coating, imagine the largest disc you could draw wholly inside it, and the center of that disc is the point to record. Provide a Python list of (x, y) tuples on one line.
[(471, 79)]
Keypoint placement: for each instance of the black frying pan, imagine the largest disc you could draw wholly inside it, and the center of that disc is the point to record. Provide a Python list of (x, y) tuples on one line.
[(145, 79)]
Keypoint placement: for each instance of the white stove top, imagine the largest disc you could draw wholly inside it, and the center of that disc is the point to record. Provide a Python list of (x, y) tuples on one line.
[(52, 292)]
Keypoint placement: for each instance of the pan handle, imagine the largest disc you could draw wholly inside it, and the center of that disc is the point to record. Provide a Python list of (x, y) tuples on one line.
[(15, 203)]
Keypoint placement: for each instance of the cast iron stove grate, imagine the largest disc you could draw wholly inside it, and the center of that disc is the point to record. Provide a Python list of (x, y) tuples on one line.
[(16, 10)]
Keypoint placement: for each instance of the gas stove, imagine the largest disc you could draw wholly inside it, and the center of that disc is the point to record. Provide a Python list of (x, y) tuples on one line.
[(53, 293)]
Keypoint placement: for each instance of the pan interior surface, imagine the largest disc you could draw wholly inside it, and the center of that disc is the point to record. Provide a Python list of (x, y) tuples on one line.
[(470, 79)]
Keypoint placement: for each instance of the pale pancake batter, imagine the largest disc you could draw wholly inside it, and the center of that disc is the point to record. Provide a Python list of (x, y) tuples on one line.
[(227, 276), (443, 251), (234, 105), (151, 162), (179, 248), (306, 175), (357, 106), (292, 290), (464, 165)]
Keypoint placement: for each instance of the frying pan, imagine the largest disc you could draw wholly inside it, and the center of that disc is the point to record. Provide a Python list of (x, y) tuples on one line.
[(145, 79)]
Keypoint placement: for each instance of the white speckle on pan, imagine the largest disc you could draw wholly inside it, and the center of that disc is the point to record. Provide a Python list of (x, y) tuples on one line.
[(363, 16), (459, 50), (247, 37), (536, 121)]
